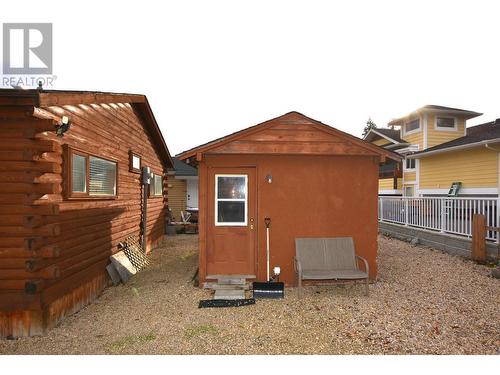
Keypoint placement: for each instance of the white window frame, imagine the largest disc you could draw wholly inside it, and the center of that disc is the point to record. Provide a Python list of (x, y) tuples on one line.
[(152, 186), (415, 130), (409, 169), (409, 187), (216, 202), (444, 129)]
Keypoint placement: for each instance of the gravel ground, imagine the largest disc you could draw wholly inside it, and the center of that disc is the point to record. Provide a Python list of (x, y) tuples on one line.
[(425, 302)]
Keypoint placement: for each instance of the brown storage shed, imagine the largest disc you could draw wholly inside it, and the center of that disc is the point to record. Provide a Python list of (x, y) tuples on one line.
[(68, 200), (310, 179)]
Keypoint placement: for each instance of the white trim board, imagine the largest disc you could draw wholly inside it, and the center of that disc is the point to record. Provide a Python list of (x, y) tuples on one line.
[(390, 192), (454, 148), (488, 191), (426, 123)]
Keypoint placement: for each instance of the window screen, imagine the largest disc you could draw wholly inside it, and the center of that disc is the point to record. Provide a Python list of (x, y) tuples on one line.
[(102, 176), (79, 173), (231, 199)]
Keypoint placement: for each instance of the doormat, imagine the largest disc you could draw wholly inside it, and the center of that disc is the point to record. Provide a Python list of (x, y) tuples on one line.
[(226, 302)]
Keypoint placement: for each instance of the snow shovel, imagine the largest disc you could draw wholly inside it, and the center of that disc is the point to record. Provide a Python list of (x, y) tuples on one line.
[(270, 288)]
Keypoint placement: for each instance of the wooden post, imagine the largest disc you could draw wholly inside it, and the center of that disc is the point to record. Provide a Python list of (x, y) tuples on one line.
[(478, 252)]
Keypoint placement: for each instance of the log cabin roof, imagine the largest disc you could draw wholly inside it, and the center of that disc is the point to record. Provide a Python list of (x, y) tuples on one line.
[(47, 98), (289, 117)]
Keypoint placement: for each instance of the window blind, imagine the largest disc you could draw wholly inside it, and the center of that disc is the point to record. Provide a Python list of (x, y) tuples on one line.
[(102, 176), (158, 188), (79, 174)]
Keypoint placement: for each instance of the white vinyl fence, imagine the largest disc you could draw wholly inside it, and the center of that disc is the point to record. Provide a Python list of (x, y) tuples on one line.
[(447, 215)]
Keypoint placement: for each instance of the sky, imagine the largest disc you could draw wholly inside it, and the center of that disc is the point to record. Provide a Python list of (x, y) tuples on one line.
[(210, 68)]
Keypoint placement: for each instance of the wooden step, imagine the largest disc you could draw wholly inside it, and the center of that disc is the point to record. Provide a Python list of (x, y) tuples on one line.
[(230, 279), (216, 286), (215, 277), (229, 294)]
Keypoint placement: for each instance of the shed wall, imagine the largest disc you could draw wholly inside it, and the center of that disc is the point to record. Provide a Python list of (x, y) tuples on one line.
[(310, 196)]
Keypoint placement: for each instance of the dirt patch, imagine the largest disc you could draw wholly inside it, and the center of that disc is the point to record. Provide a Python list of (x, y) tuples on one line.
[(425, 302)]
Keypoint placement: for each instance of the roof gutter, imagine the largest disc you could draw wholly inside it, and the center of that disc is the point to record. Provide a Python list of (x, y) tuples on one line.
[(466, 114), (455, 148), (397, 145)]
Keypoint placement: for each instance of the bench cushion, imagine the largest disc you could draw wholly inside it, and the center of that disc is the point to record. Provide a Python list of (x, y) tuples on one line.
[(332, 275), (326, 253)]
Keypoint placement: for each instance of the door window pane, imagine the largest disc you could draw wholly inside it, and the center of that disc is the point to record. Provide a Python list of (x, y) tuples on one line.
[(102, 177), (231, 187), (231, 212), (231, 200), (79, 174)]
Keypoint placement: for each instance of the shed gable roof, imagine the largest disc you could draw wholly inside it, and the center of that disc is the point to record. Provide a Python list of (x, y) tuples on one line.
[(292, 133)]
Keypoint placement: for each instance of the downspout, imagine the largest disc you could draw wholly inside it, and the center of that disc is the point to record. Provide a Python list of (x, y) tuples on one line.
[(145, 180)]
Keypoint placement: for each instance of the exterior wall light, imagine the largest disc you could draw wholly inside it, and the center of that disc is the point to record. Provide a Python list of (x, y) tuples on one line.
[(63, 127), (269, 178)]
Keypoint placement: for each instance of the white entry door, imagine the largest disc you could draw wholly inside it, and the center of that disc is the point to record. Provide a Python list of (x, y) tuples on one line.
[(192, 193)]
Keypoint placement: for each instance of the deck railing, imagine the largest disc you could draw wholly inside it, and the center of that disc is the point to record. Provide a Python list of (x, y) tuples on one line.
[(446, 215)]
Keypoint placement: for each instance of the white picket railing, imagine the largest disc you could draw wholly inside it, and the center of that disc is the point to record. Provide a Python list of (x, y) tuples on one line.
[(447, 215)]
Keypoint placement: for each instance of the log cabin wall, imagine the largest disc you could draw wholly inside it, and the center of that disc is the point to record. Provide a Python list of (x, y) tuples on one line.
[(30, 170), (54, 250)]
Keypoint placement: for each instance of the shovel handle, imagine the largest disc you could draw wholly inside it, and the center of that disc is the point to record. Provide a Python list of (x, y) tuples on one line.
[(267, 220)]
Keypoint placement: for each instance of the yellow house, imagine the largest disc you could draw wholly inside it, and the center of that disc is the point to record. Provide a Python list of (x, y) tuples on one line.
[(439, 151), (182, 186)]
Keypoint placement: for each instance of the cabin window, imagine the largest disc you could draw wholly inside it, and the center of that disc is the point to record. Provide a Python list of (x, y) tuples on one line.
[(91, 176), (409, 163), (134, 162), (412, 126), (156, 186), (231, 200), (445, 123)]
